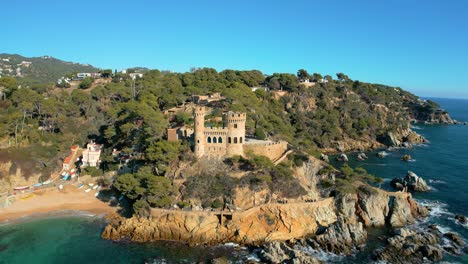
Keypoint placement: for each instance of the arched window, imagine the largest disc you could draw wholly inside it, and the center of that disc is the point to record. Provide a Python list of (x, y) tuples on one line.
[(208, 140), (229, 140), (235, 140), (235, 125), (240, 139), (220, 140), (214, 139)]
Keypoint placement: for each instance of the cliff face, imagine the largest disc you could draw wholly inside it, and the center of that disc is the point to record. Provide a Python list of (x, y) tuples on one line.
[(343, 218), (255, 226), (11, 176)]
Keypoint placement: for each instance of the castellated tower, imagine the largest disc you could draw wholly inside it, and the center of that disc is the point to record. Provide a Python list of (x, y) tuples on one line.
[(235, 124), (199, 138)]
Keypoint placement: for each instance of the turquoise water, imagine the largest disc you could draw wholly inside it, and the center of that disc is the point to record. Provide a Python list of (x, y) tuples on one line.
[(443, 163)]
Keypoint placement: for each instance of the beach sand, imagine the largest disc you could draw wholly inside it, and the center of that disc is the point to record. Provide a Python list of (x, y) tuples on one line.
[(68, 199)]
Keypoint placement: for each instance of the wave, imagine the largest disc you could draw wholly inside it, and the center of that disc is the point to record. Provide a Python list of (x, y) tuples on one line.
[(437, 208), (321, 255), (416, 127), (437, 181)]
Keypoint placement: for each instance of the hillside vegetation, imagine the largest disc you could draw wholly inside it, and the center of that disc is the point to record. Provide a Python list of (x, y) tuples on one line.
[(43, 69), (128, 116)]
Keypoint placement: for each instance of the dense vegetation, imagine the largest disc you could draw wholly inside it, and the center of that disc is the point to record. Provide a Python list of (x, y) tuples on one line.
[(42, 69), (128, 115)]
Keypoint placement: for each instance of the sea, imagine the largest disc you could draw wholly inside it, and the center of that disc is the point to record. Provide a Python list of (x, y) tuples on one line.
[(443, 163)]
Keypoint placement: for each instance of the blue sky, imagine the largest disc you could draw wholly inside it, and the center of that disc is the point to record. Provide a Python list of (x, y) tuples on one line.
[(421, 46)]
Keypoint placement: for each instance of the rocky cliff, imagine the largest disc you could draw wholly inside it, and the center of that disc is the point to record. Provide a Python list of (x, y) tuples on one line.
[(255, 226), (336, 224)]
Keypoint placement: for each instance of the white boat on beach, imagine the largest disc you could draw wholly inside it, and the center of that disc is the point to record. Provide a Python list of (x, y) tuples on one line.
[(95, 187), (88, 190), (96, 194)]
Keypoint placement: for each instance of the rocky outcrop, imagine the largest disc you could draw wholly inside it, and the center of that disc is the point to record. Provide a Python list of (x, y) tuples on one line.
[(369, 207), (412, 181), (348, 145), (410, 246), (342, 157), (362, 156), (341, 238), (461, 219), (280, 252), (273, 222), (401, 138)]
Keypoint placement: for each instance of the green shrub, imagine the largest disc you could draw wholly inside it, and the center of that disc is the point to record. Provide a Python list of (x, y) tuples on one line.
[(217, 203), (86, 83)]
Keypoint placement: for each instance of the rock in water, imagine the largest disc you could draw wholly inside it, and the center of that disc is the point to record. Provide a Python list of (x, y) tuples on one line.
[(382, 154), (410, 246), (280, 252), (462, 219), (412, 181), (342, 157), (362, 156), (324, 158), (456, 238), (406, 157)]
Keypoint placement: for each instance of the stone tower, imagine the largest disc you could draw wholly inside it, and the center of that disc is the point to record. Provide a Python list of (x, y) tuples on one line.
[(235, 123), (199, 133)]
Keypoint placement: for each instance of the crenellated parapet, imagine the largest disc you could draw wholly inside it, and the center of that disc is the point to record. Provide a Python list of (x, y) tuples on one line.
[(230, 140)]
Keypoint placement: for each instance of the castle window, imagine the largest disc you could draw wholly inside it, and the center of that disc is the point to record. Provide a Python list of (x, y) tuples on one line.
[(235, 140), (235, 125), (214, 139), (220, 140), (240, 139), (208, 139), (229, 140)]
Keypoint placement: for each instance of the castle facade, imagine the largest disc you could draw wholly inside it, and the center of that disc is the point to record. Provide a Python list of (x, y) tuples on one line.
[(229, 140)]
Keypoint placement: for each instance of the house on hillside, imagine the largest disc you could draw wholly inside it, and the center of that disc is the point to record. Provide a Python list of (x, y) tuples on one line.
[(83, 75), (135, 75), (262, 88), (69, 161), (92, 155)]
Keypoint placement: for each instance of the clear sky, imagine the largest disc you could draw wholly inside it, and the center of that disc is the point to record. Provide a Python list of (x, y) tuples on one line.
[(421, 46)]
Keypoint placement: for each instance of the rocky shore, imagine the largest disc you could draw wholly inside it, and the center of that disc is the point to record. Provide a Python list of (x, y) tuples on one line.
[(336, 224)]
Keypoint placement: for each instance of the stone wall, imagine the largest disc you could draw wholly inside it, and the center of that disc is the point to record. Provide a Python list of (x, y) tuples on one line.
[(272, 150)]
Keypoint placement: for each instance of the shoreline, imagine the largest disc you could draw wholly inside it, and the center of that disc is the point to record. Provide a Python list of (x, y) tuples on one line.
[(69, 201)]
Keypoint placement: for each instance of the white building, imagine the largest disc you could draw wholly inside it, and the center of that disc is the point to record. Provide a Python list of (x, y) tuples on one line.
[(135, 75), (92, 154), (83, 75)]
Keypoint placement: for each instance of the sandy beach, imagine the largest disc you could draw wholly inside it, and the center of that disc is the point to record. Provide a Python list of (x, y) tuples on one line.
[(68, 199)]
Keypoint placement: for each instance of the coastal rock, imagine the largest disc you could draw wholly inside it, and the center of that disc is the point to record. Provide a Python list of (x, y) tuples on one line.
[(342, 157), (400, 213), (456, 238), (412, 181), (272, 222), (280, 252), (406, 157), (372, 207), (362, 156), (341, 237), (461, 219), (324, 158), (401, 138), (410, 246)]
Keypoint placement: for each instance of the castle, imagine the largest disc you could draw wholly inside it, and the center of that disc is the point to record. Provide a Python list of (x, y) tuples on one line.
[(230, 140)]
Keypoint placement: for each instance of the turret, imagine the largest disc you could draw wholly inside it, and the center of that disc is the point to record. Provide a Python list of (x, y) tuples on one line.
[(199, 138), (235, 123)]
